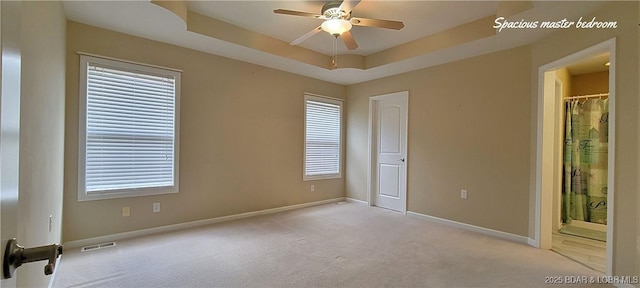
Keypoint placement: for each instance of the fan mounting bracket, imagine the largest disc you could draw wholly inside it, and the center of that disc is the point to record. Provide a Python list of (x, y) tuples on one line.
[(331, 10)]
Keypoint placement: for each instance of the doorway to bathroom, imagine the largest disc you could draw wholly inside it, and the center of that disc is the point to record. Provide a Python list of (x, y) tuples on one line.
[(574, 187)]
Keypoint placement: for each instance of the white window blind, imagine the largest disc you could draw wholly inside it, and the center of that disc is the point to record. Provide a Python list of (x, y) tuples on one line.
[(322, 137), (130, 128)]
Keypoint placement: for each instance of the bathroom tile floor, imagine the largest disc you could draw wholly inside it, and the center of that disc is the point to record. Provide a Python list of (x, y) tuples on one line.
[(591, 253)]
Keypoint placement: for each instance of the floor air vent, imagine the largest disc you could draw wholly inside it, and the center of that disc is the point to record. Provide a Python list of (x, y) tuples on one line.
[(98, 246)]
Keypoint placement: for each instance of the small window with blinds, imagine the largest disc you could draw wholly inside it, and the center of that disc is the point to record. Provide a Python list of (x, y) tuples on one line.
[(128, 129), (322, 138)]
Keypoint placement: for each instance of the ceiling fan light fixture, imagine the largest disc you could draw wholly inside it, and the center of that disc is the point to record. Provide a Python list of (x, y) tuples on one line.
[(336, 26)]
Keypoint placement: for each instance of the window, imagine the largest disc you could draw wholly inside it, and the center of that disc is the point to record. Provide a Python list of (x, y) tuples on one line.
[(322, 138), (128, 129)]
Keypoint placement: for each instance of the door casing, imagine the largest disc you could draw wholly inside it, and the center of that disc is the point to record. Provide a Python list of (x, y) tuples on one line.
[(544, 176)]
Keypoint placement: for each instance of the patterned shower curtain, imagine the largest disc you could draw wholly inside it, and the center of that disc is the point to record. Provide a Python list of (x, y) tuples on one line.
[(584, 191)]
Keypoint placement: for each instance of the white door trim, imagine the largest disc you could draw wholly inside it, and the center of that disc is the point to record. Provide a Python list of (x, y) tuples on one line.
[(543, 184), (372, 150)]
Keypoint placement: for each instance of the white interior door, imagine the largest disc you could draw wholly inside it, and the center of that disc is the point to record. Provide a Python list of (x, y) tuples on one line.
[(389, 143), (9, 124)]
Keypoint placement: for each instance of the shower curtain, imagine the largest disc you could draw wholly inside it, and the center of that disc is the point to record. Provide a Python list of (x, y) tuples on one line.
[(584, 190)]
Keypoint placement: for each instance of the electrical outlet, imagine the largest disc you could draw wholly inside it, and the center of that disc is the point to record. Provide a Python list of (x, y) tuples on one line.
[(463, 194), (156, 207), (50, 223), (313, 187), (126, 211)]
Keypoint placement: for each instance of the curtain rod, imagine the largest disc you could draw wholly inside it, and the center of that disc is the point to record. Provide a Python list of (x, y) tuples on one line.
[(586, 96)]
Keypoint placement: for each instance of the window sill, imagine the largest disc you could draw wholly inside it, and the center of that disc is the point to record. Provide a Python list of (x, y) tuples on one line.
[(125, 193), (321, 177)]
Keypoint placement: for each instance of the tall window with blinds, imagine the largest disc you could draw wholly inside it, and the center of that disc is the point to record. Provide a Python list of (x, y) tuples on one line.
[(128, 129), (322, 139)]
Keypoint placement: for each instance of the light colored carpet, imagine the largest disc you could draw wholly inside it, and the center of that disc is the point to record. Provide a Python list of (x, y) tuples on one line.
[(347, 245)]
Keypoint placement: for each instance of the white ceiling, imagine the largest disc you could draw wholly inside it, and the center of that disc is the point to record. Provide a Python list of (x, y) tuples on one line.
[(421, 18)]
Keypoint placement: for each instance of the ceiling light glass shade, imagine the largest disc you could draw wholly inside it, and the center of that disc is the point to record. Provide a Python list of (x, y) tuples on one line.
[(336, 26)]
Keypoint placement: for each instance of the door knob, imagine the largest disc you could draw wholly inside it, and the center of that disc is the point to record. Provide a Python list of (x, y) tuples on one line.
[(16, 255), (402, 159)]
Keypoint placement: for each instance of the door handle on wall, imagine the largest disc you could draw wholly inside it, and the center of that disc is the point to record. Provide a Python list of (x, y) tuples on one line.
[(16, 255)]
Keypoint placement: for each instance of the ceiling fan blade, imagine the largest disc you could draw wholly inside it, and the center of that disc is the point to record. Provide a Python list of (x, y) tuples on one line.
[(387, 24), (348, 40), (297, 13), (348, 5), (306, 36)]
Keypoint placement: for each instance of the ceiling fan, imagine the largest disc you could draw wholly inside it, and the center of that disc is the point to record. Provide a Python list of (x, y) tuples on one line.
[(338, 21)]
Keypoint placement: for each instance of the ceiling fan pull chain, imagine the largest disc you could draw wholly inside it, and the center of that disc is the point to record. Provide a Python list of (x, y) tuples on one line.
[(334, 61)]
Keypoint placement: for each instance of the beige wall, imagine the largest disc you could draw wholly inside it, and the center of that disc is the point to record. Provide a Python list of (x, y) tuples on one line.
[(41, 132), (591, 83), (481, 136), (468, 129), (564, 43), (241, 138)]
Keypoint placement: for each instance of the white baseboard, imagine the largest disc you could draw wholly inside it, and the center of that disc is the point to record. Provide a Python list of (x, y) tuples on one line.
[(533, 242), (168, 228), (352, 200), (469, 227)]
